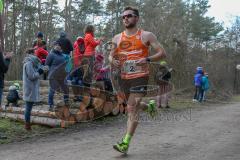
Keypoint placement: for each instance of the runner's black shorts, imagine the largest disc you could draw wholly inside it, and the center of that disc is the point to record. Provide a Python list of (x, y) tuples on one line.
[(136, 85)]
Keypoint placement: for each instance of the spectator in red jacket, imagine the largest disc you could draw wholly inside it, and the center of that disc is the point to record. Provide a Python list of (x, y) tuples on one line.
[(40, 52), (79, 49), (90, 45)]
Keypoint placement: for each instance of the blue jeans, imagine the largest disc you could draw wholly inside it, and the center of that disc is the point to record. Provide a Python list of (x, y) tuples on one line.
[(1, 93), (197, 93), (28, 110), (51, 97)]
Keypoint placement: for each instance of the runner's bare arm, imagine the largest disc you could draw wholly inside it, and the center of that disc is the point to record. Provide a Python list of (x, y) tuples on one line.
[(113, 50), (152, 39)]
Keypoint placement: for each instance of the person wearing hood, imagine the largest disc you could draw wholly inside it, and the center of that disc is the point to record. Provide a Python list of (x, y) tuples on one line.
[(67, 48), (31, 81), (79, 49), (53, 61), (198, 83)]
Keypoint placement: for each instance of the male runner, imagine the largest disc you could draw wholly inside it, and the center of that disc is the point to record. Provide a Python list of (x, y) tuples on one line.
[(131, 54)]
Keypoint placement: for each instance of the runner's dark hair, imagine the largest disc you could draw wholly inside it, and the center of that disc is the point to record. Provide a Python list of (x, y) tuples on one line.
[(135, 10)]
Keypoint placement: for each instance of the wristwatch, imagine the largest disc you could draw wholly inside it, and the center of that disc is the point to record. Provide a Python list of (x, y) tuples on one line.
[(148, 59)]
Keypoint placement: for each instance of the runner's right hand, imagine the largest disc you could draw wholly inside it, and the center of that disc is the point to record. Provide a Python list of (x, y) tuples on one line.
[(116, 63)]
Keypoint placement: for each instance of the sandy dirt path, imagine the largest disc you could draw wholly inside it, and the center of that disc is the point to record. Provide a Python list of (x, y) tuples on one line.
[(203, 133)]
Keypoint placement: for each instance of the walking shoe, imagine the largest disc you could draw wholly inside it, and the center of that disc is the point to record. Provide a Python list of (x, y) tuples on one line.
[(50, 108), (28, 126), (194, 100), (152, 110), (121, 147)]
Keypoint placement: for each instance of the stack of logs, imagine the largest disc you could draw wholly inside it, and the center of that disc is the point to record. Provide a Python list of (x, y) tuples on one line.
[(96, 103)]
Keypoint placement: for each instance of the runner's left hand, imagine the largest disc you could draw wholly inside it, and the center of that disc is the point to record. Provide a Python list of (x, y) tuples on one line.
[(141, 61)]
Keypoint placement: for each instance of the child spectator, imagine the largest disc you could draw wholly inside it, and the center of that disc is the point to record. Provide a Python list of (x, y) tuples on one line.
[(198, 83), (205, 87), (79, 49), (90, 44), (13, 95), (102, 73), (41, 53), (40, 40)]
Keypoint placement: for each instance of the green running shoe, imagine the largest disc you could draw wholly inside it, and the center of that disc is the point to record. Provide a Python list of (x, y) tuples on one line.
[(121, 147), (152, 110)]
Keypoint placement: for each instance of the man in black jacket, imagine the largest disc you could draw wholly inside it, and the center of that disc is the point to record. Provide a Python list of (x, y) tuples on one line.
[(4, 63), (67, 48), (65, 43)]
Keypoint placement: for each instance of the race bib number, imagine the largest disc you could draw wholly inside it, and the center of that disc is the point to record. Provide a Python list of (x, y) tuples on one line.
[(130, 66)]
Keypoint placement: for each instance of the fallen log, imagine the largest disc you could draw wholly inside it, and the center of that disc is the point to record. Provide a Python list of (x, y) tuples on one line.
[(39, 120), (81, 116), (108, 107), (39, 113)]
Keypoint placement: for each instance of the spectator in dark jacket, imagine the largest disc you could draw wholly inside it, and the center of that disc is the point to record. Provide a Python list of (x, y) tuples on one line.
[(39, 41), (65, 43), (53, 61), (67, 48), (4, 63)]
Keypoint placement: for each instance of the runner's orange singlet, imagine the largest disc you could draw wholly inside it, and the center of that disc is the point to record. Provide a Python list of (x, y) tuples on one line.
[(129, 50)]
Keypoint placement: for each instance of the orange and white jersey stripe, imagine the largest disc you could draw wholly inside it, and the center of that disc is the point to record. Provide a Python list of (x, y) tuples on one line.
[(129, 50)]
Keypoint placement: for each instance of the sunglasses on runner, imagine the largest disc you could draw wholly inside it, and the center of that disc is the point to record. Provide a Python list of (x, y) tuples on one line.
[(128, 16)]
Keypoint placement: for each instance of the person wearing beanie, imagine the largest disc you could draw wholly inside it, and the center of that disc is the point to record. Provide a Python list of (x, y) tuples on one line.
[(39, 41)]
